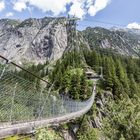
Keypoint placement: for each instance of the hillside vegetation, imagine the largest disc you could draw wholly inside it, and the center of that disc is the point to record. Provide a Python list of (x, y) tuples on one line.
[(120, 114), (120, 119)]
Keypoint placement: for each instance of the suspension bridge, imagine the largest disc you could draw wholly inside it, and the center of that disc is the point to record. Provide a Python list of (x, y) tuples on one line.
[(23, 107)]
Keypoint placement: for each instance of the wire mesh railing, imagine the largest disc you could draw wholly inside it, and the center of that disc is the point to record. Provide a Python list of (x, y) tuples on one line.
[(21, 101)]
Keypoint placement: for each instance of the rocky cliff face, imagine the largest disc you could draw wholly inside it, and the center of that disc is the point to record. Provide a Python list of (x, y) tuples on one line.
[(34, 40), (122, 41), (38, 40)]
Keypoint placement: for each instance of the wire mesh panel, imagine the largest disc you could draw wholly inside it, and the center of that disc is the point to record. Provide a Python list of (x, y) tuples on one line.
[(21, 101), (17, 97)]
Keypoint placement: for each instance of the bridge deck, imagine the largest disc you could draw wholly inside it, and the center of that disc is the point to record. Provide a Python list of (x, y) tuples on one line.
[(27, 127)]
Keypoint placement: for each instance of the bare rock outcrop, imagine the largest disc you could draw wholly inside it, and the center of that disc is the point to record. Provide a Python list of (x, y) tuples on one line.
[(33, 40)]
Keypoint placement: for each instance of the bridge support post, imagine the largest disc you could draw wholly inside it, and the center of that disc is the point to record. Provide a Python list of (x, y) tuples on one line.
[(2, 73), (101, 75), (12, 102), (39, 112), (4, 69)]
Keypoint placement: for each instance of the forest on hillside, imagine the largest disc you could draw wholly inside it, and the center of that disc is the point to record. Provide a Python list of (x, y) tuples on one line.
[(122, 77), (120, 119)]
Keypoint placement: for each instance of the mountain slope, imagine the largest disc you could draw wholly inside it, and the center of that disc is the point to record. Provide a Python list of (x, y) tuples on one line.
[(34, 40), (124, 42), (38, 40)]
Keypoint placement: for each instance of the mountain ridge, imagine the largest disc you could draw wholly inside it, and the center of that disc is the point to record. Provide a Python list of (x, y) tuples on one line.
[(37, 40), (120, 41), (33, 39)]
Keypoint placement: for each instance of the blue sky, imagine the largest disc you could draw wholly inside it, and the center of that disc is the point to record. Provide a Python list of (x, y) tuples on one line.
[(91, 12)]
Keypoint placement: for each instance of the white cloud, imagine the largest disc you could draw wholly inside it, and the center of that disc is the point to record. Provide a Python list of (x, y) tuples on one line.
[(54, 6), (19, 6), (133, 25), (89, 3), (97, 6), (79, 8), (10, 14), (2, 5)]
